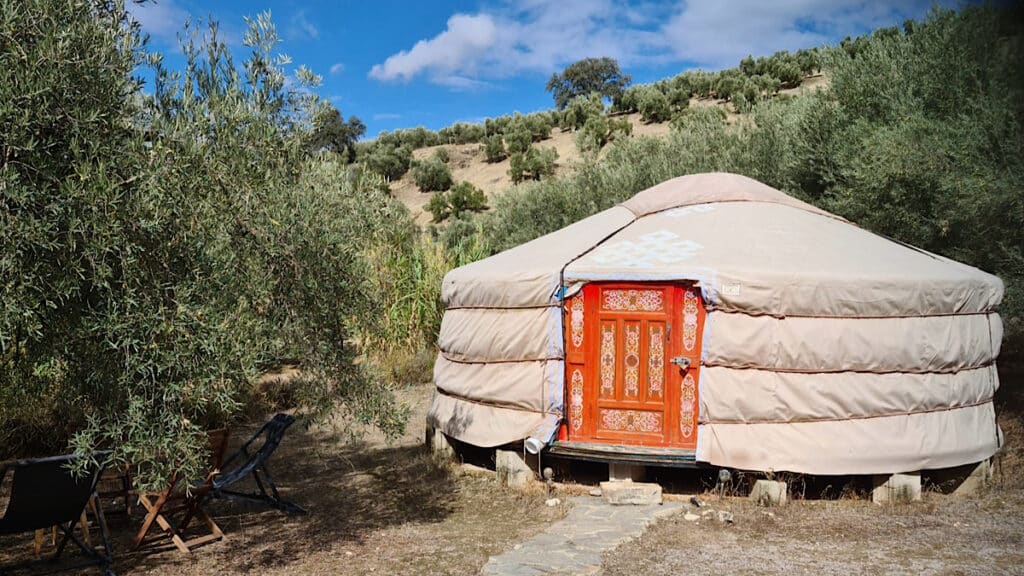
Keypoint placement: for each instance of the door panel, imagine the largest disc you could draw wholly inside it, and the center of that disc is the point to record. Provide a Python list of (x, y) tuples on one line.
[(621, 386)]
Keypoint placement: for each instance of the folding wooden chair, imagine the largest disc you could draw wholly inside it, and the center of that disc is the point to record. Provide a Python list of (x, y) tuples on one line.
[(246, 463), (174, 508), (44, 493)]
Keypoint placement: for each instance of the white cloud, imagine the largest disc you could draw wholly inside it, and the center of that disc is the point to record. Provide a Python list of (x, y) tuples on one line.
[(719, 34), (161, 20), (299, 27), (337, 68), (530, 36), (458, 48), (542, 37)]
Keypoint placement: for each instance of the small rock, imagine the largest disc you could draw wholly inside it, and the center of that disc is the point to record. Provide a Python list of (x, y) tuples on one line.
[(348, 553), (552, 502), (697, 503), (725, 517), (707, 513), (690, 517), (769, 514), (517, 546), (596, 492)]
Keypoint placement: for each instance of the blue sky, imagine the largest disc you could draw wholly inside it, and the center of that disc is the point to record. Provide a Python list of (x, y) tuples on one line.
[(400, 64)]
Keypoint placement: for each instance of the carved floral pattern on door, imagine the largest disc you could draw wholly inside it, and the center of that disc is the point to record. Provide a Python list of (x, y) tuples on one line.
[(690, 312), (576, 400), (631, 421), (607, 359), (686, 408), (631, 360), (655, 360), (576, 320), (634, 300)]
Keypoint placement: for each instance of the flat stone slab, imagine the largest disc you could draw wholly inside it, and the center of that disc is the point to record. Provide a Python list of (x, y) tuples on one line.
[(575, 544), (631, 493)]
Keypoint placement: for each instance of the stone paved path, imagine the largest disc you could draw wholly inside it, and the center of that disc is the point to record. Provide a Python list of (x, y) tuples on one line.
[(575, 544)]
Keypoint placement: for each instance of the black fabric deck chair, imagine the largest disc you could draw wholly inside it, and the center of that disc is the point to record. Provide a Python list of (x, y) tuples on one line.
[(245, 462), (45, 493)]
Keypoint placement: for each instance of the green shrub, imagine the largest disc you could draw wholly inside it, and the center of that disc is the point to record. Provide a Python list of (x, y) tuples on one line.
[(618, 128), (463, 198), (532, 164), (518, 140), (494, 148), (461, 133), (392, 163), (579, 110), (442, 155), (432, 176), (594, 134), (654, 106)]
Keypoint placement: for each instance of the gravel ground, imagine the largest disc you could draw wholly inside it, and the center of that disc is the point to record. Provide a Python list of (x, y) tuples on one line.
[(942, 535)]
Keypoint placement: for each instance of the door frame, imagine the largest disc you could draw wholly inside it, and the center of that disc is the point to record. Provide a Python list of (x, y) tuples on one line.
[(685, 317)]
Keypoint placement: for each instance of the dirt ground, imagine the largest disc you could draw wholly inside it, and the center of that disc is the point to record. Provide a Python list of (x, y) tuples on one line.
[(383, 508), (941, 535), (372, 508)]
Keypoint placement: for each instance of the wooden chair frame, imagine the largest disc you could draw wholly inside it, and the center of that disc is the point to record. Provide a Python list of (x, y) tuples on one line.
[(175, 508)]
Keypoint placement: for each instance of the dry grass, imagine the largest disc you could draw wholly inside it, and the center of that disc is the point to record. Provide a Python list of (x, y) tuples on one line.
[(373, 508), (942, 535)]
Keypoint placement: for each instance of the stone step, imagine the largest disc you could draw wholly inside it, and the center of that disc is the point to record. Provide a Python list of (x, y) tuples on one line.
[(621, 493)]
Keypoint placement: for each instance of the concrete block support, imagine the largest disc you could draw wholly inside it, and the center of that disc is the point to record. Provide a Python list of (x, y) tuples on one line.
[(976, 480), (512, 469), (896, 488), (439, 444), (626, 472), (769, 493)]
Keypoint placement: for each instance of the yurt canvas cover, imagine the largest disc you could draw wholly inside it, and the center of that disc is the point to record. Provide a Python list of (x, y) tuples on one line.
[(826, 349)]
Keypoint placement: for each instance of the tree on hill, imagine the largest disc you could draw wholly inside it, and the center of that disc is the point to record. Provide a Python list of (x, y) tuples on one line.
[(588, 76), (462, 198), (332, 132)]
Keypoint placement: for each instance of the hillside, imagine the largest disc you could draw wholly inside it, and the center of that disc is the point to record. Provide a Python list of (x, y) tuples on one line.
[(467, 161)]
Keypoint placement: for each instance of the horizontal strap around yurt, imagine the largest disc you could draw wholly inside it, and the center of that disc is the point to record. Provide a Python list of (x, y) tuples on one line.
[(530, 307), (496, 404), (461, 360), (723, 309), (708, 364)]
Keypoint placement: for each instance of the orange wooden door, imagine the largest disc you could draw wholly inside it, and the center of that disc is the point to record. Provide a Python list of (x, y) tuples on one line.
[(622, 385)]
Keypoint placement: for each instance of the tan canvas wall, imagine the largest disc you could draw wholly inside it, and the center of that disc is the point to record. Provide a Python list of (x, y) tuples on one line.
[(733, 396), (912, 344), (489, 334), (860, 446)]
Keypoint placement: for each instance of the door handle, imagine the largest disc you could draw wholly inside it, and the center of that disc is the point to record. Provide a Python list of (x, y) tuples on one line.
[(682, 361)]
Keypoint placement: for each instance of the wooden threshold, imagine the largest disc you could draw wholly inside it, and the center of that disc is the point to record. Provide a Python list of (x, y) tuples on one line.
[(670, 457)]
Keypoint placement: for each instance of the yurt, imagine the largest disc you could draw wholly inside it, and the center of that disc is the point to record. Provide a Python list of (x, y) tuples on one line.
[(715, 320)]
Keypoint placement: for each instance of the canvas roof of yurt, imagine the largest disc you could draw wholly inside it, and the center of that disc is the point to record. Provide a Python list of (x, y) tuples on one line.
[(827, 349)]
